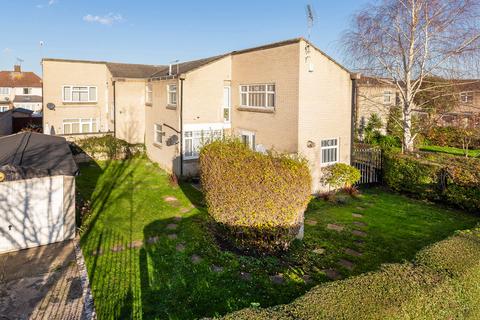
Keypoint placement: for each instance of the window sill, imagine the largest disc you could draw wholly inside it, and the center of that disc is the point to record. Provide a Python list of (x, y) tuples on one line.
[(68, 103), (159, 146), (171, 106), (257, 109)]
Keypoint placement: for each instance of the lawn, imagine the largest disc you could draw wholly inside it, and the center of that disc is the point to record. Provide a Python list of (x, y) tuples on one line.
[(180, 272), (451, 150)]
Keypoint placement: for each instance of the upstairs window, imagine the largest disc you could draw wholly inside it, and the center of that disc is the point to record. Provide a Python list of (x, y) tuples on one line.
[(79, 94), (149, 93), (27, 90), (257, 96), (387, 97), (4, 90), (329, 149), (466, 97), (157, 133), (172, 94)]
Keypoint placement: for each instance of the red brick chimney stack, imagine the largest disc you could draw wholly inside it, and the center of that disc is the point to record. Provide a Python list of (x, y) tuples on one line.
[(17, 68)]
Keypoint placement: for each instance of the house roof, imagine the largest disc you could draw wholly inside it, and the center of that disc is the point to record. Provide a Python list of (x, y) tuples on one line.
[(375, 81), (187, 66), (14, 79), (137, 71), (37, 154), (25, 98)]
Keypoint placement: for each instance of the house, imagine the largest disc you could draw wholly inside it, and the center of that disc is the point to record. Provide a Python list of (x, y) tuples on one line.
[(84, 98), (37, 191), (20, 89), (289, 96)]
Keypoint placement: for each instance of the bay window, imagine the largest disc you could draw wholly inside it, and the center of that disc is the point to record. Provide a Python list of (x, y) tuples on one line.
[(257, 96)]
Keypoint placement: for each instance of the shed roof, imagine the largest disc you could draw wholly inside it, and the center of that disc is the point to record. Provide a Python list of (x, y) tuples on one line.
[(42, 154)]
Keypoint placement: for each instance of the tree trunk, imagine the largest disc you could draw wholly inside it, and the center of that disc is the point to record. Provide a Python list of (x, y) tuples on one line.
[(408, 145)]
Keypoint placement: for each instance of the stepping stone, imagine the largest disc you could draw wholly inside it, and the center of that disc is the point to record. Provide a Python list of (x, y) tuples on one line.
[(332, 274), (98, 252), (346, 264), (353, 253), (196, 259), (277, 279), (359, 224), (357, 215), (135, 244), (360, 208), (152, 240), (307, 279), (246, 276), (359, 233), (217, 269), (172, 226), (117, 248), (172, 236), (319, 250), (359, 242), (177, 218), (170, 199), (335, 227), (185, 210), (180, 247), (311, 222)]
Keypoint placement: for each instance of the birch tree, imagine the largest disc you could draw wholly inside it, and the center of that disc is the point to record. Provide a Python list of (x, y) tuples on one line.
[(405, 42)]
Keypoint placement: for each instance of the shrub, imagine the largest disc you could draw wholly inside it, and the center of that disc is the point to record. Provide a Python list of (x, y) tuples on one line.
[(340, 175), (450, 137), (257, 199), (440, 177), (107, 148), (438, 285)]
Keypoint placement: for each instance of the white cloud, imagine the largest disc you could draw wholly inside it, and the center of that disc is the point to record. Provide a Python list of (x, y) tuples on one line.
[(7, 50), (107, 19), (48, 4)]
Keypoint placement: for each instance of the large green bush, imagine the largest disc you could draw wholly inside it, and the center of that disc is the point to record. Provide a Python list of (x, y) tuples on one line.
[(107, 147), (442, 283), (257, 199), (340, 175), (449, 137), (441, 177)]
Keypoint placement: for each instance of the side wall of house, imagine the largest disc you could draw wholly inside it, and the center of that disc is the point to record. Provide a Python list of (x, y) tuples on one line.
[(370, 101), (279, 66), (166, 154), (324, 109), (130, 110), (56, 74)]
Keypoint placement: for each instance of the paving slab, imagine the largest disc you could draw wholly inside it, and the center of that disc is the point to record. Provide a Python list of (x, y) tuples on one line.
[(172, 236), (319, 250), (153, 240), (196, 259), (277, 279), (335, 227), (357, 215), (353, 253), (359, 242), (135, 244), (332, 274), (311, 222), (359, 233), (346, 264), (217, 269), (359, 223), (180, 247), (117, 248), (170, 199), (172, 226)]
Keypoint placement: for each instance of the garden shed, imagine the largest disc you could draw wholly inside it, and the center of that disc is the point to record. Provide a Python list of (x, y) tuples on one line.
[(37, 191)]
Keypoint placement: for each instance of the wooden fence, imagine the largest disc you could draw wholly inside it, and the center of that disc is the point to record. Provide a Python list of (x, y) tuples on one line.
[(368, 160)]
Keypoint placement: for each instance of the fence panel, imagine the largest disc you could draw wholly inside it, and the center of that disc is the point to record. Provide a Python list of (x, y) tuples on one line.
[(368, 160)]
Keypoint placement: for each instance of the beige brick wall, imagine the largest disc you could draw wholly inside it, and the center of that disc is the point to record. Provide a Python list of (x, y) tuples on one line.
[(275, 65), (56, 74), (324, 109), (370, 101)]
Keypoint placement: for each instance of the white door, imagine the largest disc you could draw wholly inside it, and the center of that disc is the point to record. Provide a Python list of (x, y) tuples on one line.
[(227, 109), (31, 213)]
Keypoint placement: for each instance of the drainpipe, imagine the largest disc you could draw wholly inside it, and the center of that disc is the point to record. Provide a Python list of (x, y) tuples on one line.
[(182, 78), (354, 77), (114, 111)]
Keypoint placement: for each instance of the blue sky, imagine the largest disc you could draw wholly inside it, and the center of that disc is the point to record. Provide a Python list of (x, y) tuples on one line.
[(157, 32)]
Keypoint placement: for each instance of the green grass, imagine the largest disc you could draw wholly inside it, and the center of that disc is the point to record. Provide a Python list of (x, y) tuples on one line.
[(157, 282), (451, 150)]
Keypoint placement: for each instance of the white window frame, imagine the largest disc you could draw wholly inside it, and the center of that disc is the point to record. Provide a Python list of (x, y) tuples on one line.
[(4, 108), (337, 154), (5, 91), (157, 131), (81, 122), (388, 94), (29, 89), (197, 138), (244, 89), (251, 138), (90, 100), (228, 107), (170, 91), (148, 93), (464, 96)]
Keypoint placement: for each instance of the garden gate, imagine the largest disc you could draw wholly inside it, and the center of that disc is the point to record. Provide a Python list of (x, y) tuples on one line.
[(368, 160)]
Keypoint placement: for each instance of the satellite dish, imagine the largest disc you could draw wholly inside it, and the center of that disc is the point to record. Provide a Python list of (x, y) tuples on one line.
[(7, 99), (50, 106)]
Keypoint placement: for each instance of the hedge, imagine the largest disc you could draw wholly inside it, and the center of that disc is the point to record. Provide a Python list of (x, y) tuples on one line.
[(107, 147), (436, 285), (256, 199), (438, 177), (448, 137)]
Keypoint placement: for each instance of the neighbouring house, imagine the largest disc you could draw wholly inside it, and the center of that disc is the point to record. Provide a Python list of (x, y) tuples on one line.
[(37, 191), (20, 89), (85, 98), (289, 96)]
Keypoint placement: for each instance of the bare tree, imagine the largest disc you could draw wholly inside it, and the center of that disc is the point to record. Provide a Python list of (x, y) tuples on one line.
[(406, 42)]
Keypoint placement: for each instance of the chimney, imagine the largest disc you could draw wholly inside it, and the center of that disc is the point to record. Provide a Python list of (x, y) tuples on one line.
[(17, 68)]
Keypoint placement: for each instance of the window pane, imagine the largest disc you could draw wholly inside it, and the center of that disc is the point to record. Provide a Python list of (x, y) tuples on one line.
[(67, 93), (226, 114), (93, 94), (271, 100), (271, 87), (85, 127), (66, 128), (75, 96), (244, 99), (75, 127), (243, 88), (94, 126), (83, 96), (188, 147)]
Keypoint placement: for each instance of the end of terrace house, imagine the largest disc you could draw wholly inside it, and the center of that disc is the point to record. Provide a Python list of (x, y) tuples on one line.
[(289, 96)]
